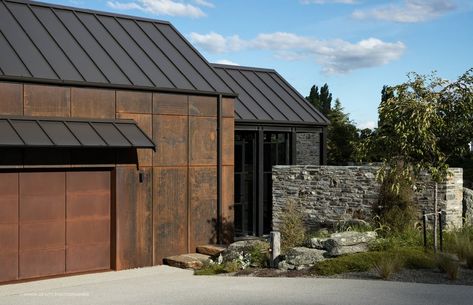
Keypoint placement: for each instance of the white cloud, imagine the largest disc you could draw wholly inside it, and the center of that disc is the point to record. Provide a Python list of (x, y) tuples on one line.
[(328, 1), (409, 11), (204, 3), (367, 124), (226, 62), (160, 7), (335, 56)]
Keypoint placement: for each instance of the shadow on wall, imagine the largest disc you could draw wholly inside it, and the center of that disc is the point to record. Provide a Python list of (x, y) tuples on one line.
[(227, 231)]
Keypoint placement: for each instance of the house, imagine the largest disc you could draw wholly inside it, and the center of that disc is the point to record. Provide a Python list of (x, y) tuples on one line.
[(117, 142)]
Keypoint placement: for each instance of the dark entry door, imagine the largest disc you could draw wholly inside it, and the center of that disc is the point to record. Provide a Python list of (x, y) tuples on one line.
[(245, 184), (54, 223)]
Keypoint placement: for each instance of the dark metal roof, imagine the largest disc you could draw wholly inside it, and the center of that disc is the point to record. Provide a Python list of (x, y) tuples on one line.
[(52, 43), (265, 96), (62, 132)]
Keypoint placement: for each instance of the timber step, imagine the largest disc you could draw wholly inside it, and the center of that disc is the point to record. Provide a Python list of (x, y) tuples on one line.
[(187, 261), (211, 250)]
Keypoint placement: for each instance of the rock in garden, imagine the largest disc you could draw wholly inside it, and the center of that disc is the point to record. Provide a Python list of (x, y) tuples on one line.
[(317, 243), (301, 257), (348, 242), (468, 205), (242, 247)]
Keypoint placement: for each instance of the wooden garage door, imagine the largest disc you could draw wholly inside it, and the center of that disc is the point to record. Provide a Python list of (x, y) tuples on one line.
[(54, 223)]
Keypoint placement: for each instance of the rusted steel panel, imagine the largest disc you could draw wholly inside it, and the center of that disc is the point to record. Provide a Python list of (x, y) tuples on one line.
[(169, 212), (88, 220), (42, 218), (228, 141), (11, 158), (203, 141), (46, 157), (202, 105), (164, 103), (134, 236), (227, 203), (92, 103), (145, 156), (203, 206), (40, 100), (8, 226), (134, 102), (228, 107), (38, 263), (171, 134), (11, 95), (42, 196), (88, 257)]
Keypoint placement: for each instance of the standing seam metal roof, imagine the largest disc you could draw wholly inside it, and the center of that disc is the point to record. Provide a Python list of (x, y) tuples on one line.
[(62, 44), (264, 95)]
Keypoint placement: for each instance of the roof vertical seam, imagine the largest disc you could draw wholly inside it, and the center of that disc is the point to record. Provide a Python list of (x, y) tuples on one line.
[(190, 63), (277, 94), (44, 131), (147, 55), (96, 40), (55, 41), (264, 95), (238, 98), (264, 110), (80, 45), (18, 55), (164, 53), (124, 50), (31, 40), (289, 93)]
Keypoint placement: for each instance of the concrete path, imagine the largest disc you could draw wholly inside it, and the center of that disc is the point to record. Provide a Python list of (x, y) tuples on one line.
[(166, 285)]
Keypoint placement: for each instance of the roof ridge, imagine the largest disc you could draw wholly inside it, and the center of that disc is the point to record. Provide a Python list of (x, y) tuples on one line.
[(88, 11), (238, 67)]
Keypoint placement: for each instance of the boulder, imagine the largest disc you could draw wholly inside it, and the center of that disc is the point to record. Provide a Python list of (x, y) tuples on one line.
[(348, 242), (317, 243), (301, 257), (212, 250), (243, 247), (468, 205)]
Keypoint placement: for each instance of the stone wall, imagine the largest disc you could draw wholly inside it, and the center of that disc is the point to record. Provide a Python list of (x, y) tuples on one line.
[(308, 148), (334, 194)]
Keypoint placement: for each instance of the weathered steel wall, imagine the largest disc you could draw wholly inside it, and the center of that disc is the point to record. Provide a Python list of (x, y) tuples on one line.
[(173, 207)]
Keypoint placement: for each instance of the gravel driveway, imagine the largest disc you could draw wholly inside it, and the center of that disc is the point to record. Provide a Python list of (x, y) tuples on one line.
[(165, 285)]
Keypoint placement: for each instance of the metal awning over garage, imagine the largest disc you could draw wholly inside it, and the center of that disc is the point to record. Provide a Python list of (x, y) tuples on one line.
[(71, 133)]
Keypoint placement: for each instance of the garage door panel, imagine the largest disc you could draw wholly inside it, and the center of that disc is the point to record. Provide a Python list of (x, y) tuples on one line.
[(88, 231), (8, 238), (8, 266), (88, 257), (87, 205), (36, 263), (44, 235), (42, 196), (9, 198)]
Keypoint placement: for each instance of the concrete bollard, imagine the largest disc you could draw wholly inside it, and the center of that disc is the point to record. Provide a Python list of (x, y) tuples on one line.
[(275, 241)]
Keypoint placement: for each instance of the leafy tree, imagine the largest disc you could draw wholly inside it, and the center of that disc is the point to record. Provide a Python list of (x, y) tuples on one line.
[(321, 100), (342, 135)]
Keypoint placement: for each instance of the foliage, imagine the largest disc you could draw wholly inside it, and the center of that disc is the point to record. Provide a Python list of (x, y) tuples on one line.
[(392, 240), (395, 207), (212, 268), (386, 266), (460, 242), (448, 265), (342, 136), (292, 226), (357, 262), (323, 100), (259, 255)]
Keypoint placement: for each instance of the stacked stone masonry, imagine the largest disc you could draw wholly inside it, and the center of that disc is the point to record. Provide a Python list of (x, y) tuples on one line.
[(330, 195), (308, 148)]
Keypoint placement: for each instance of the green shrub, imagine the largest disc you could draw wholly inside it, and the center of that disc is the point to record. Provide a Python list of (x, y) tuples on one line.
[(417, 258), (259, 255), (460, 242), (357, 262), (292, 226), (387, 266), (448, 265), (214, 268), (397, 240)]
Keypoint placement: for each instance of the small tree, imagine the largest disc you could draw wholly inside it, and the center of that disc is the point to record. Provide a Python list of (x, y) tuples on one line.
[(411, 119)]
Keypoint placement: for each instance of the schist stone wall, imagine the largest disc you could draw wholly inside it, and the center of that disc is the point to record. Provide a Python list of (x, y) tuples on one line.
[(308, 148), (332, 194)]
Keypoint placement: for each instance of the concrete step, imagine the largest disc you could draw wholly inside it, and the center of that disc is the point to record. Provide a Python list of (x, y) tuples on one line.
[(187, 261), (211, 250)]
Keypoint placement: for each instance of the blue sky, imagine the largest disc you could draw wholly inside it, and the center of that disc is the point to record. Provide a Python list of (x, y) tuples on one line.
[(356, 46)]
